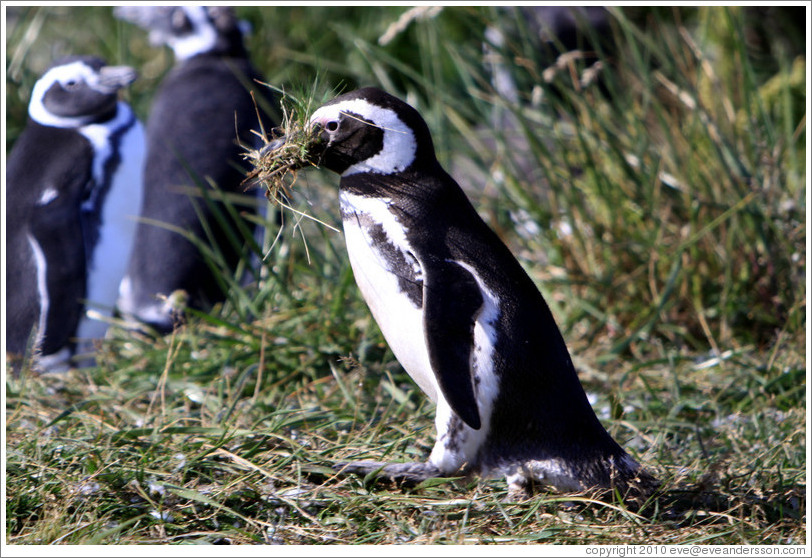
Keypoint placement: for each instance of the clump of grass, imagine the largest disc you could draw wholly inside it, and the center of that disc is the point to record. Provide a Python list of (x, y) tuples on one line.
[(275, 163), (287, 150)]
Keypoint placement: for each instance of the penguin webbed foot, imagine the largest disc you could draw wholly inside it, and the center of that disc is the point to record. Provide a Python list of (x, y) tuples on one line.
[(628, 483), (403, 474)]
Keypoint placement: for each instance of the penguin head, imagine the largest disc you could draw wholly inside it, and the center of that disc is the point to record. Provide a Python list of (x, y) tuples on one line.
[(77, 91), (371, 131), (189, 30)]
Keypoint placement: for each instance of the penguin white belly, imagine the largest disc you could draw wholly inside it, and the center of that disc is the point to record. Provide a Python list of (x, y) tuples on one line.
[(400, 321), (119, 218)]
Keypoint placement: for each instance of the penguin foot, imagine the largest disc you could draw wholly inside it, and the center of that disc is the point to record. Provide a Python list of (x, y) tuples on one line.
[(407, 474), (604, 479)]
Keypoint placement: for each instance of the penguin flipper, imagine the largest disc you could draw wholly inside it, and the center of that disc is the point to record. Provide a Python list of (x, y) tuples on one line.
[(451, 301)]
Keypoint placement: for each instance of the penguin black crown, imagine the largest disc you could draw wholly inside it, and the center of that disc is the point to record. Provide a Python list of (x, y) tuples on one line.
[(460, 314)]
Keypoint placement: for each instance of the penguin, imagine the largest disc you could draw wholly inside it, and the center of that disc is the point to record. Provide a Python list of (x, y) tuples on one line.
[(460, 314), (550, 33), (553, 31), (199, 109), (74, 180)]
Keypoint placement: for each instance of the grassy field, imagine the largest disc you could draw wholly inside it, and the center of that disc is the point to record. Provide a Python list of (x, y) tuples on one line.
[(660, 209)]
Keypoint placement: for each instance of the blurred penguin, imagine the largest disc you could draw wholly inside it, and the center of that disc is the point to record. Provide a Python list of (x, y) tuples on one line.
[(74, 190), (557, 38), (554, 32), (201, 106)]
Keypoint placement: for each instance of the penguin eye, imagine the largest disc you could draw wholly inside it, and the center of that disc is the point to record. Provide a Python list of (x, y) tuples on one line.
[(71, 84), (331, 126)]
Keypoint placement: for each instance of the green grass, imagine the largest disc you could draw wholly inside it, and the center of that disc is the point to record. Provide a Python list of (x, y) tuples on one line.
[(664, 223)]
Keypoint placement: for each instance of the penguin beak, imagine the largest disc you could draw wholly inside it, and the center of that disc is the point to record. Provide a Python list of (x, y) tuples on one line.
[(113, 78), (275, 144), (158, 20), (146, 17)]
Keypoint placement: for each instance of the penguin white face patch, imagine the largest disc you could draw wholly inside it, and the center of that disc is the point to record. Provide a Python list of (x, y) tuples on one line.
[(202, 39), (67, 75), (399, 143)]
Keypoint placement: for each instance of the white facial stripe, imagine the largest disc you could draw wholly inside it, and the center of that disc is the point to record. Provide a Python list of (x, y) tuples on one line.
[(202, 39), (77, 71), (399, 144)]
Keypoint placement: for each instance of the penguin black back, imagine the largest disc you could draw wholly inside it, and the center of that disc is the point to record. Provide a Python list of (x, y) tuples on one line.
[(45, 247)]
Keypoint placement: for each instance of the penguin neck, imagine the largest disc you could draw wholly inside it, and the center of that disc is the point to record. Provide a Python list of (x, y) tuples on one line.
[(100, 131), (425, 185), (114, 111), (39, 114), (375, 185), (104, 137), (412, 196)]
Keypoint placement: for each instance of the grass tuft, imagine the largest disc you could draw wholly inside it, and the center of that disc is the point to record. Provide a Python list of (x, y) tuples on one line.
[(274, 164)]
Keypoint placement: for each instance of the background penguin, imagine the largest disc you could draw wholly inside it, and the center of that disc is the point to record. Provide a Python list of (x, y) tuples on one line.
[(553, 30), (459, 312), (74, 189), (550, 32), (192, 129)]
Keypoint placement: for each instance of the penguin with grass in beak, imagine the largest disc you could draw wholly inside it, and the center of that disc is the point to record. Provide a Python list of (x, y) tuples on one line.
[(458, 311)]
